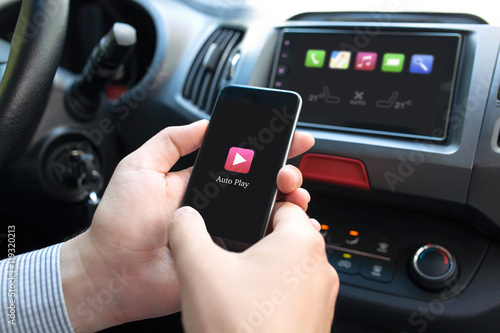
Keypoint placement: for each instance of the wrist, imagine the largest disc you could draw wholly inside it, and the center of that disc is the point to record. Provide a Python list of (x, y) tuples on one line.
[(89, 304)]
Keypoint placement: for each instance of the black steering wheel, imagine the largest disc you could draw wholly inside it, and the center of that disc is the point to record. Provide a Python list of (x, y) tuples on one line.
[(35, 53)]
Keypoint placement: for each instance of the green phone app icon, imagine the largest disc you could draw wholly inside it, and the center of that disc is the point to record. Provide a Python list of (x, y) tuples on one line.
[(393, 62), (315, 58)]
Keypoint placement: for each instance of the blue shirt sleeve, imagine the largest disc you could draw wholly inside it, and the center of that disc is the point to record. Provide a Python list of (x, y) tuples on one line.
[(31, 296)]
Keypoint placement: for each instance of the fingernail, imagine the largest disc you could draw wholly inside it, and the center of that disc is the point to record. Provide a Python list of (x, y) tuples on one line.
[(295, 177), (315, 223), (307, 193), (183, 210)]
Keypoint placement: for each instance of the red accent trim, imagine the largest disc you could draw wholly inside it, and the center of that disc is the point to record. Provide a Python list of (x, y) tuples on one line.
[(113, 92), (335, 170)]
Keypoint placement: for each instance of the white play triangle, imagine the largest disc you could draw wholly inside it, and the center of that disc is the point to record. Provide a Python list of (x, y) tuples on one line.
[(238, 159)]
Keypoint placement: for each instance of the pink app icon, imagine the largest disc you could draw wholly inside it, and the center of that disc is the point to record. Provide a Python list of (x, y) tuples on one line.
[(365, 61), (239, 160)]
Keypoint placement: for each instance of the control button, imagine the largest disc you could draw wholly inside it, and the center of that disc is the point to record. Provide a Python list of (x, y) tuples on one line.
[(334, 170), (344, 262), (282, 70), (378, 270), (325, 232), (350, 238), (433, 267), (382, 246)]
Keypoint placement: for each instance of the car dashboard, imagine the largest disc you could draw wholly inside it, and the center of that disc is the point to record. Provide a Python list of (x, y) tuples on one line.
[(405, 172)]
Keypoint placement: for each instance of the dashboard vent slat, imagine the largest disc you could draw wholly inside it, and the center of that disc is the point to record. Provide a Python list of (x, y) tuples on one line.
[(197, 66), (204, 79)]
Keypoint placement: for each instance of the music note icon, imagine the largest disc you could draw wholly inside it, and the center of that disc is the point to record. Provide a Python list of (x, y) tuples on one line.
[(366, 61)]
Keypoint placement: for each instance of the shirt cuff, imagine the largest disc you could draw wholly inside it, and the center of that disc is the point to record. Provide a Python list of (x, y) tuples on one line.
[(31, 295)]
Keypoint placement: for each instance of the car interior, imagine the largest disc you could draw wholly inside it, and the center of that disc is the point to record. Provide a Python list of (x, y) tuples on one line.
[(401, 96)]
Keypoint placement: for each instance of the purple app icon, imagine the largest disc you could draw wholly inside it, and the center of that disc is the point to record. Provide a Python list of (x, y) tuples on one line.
[(421, 64)]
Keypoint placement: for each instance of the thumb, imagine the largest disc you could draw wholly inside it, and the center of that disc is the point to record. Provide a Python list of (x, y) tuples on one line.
[(190, 243)]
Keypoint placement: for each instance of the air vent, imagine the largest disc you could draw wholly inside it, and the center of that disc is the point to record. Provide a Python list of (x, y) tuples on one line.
[(205, 76)]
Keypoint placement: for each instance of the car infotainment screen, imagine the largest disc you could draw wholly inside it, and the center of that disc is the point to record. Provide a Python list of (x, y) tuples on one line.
[(398, 84)]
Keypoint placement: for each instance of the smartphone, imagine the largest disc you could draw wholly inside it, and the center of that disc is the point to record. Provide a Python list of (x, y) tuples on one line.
[(233, 183)]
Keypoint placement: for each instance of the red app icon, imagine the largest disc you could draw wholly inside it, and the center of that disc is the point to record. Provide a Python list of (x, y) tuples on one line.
[(239, 160), (365, 61)]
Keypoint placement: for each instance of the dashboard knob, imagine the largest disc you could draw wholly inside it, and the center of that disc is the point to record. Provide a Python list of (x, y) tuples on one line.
[(433, 267)]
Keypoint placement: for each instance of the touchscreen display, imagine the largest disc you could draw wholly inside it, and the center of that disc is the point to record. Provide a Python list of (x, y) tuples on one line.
[(398, 84), (233, 184)]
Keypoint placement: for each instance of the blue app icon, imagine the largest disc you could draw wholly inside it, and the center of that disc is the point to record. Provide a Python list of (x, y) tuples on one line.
[(421, 64)]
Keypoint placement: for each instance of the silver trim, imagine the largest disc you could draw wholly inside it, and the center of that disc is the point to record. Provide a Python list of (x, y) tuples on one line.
[(496, 137), (361, 253), (446, 275), (208, 55), (232, 65)]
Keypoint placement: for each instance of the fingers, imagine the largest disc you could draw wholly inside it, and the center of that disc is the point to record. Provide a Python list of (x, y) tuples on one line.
[(315, 224), (289, 178), (289, 181), (302, 142), (287, 213), (190, 243), (163, 150), (292, 227), (300, 197)]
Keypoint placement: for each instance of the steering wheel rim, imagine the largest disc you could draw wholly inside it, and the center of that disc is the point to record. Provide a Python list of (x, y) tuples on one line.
[(35, 53)]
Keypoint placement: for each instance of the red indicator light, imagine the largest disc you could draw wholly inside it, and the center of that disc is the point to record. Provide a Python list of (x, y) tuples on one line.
[(353, 233), (325, 227)]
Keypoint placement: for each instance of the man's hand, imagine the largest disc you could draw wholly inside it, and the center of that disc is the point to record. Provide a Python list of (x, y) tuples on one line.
[(283, 283), (121, 269)]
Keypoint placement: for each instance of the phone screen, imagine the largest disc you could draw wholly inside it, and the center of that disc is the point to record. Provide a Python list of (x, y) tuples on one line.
[(233, 184)]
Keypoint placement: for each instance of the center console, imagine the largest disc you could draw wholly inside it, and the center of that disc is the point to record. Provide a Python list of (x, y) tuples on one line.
[(402, 174), (406, 103), (405, 110)]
